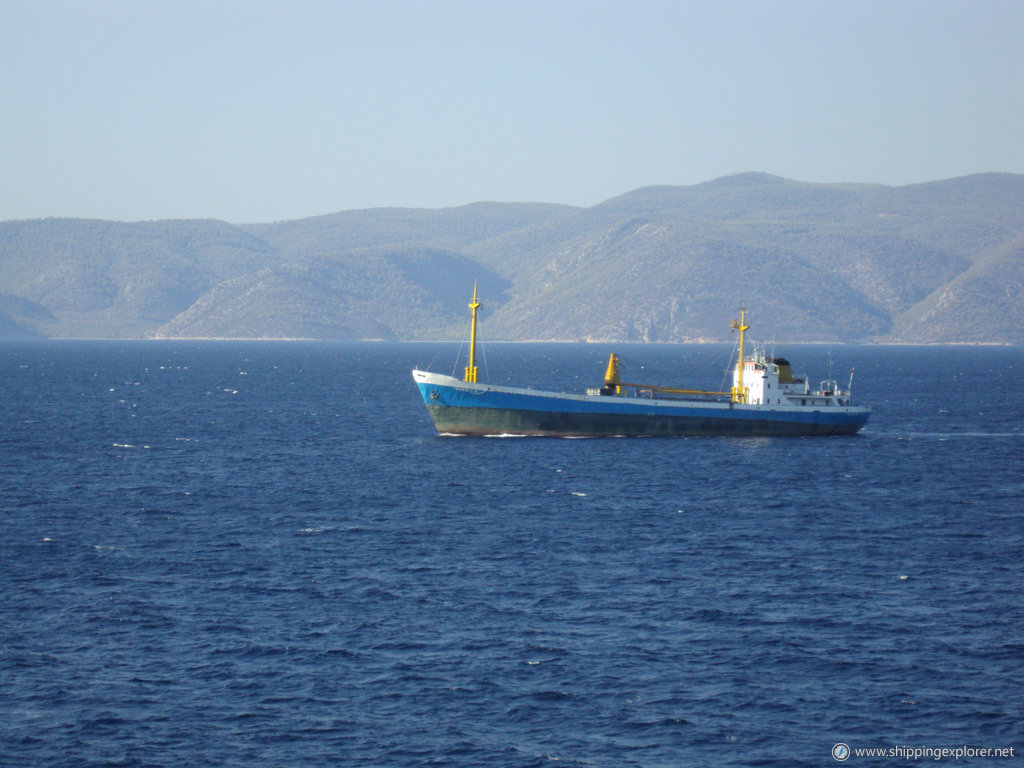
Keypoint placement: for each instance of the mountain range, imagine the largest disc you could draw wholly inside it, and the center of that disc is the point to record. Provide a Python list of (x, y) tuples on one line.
[(939, 262)]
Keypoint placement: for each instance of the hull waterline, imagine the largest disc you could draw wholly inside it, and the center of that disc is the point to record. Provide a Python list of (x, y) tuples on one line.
[(459, 408)]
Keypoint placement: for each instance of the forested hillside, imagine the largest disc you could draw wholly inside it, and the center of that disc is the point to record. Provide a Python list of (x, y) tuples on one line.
[(935, 262)]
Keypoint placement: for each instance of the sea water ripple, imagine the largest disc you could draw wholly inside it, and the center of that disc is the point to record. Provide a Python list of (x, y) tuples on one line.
[(261, 555)]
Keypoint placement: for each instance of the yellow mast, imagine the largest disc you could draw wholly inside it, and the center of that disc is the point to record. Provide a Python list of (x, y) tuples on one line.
[(471, 368), (739, 392), (611, 375)]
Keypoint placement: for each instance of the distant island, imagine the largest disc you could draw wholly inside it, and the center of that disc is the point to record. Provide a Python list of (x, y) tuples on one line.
[(939, 262)]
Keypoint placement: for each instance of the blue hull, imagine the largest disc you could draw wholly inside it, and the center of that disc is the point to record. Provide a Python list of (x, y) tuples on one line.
[(476, 409)]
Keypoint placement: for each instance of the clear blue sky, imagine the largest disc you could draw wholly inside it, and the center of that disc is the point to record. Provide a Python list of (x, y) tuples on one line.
[(261, 111)]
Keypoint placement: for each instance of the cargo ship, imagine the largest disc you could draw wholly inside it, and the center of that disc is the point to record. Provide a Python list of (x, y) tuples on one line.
[(766, 399)]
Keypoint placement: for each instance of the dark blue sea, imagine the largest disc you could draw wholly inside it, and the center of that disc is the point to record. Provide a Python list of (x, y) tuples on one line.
[(262, 554)]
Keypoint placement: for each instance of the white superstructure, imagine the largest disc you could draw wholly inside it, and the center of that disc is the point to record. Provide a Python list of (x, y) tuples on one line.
[(770, 381)]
